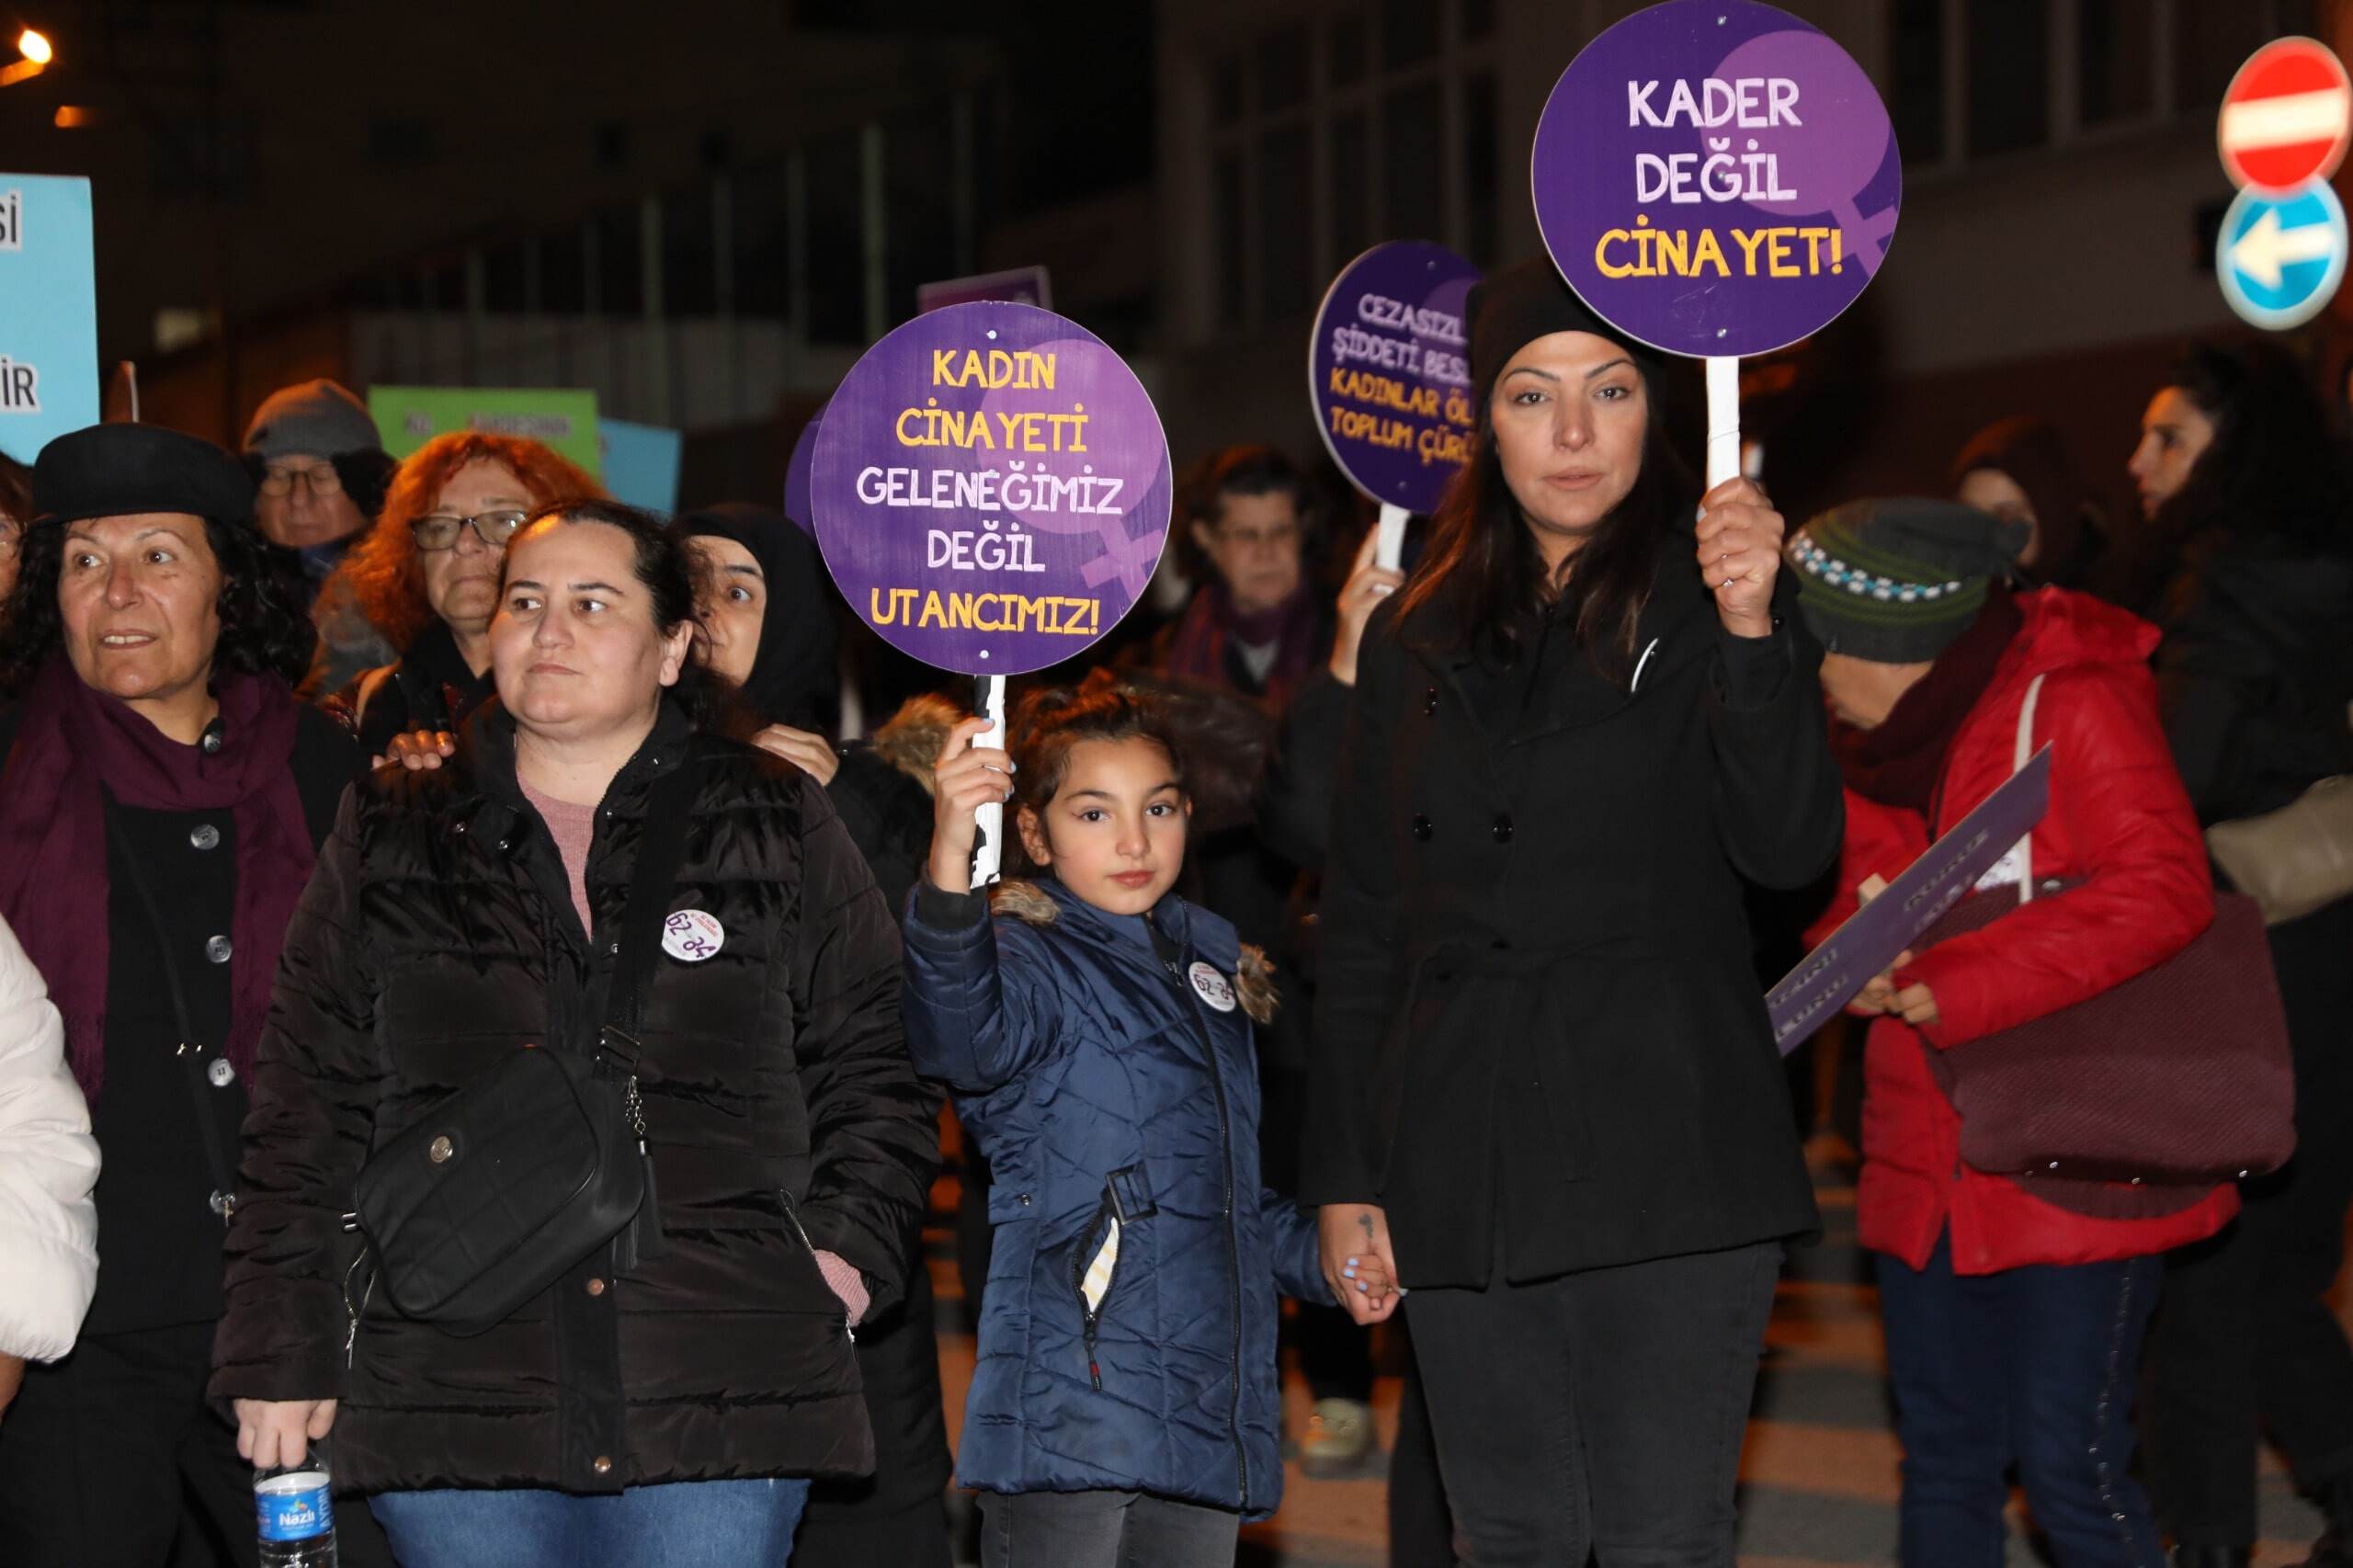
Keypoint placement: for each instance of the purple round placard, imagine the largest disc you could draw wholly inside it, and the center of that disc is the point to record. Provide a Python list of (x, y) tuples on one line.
[(992, 488), (796, 475), (1389, 375), (1716, 177)]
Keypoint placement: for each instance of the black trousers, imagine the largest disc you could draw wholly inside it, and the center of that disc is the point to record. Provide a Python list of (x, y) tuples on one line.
[(111, 1458), (1599, 1412), (2243, 1341), (1421, 1528)]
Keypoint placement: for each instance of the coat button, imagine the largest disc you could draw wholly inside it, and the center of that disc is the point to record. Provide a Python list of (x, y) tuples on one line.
[(205, 837), (1422, 828), (1503, 827), (215, 737), (602, 1464), (596, 1287), (439, 1150), (217, 949), (222, 1073)]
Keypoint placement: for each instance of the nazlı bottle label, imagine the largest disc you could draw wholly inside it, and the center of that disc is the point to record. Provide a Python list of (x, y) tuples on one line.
[(295, 1506)]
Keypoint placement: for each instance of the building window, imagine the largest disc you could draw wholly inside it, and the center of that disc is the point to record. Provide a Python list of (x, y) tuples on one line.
[(1917, 71), (1482, 168), (2012, 75), (1282, 70), (2116, 59), (1232, 261), (1349, 179), (689, 252), (1378, 122), (1410, 141), (2009, 75)]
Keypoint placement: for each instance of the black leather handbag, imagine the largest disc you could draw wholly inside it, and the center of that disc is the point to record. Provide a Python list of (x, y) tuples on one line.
[(503, 1186)]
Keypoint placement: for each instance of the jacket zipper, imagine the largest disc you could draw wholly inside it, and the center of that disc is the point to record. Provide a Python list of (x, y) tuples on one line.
[(1091, 1317), (1233, 1248), (792, 1217)]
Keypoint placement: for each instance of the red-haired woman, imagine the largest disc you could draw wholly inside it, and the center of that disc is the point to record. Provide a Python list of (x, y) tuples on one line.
[(427, 575)]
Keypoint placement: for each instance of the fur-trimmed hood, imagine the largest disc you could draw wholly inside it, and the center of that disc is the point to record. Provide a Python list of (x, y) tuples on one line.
[(1254, 977)]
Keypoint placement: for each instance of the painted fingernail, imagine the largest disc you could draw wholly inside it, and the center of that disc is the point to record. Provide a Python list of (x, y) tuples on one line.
[(1350, 1271), (1360, 1288)]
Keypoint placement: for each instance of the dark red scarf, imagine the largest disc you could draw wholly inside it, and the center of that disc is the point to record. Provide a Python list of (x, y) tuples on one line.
[(1210, 623), (1898, 763), (73, 743)]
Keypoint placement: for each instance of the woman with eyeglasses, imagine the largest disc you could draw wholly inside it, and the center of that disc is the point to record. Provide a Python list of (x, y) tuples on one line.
[(427, 575), (320, 471)]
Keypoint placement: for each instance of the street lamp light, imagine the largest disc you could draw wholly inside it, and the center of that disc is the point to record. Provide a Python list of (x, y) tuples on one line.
[(37, 52)]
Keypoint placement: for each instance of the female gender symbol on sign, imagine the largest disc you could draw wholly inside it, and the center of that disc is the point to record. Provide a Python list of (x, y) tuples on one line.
[(1676, 167), (1833, 172)]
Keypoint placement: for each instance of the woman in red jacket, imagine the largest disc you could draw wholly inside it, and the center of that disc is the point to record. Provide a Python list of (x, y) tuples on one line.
[(2013, 1323)]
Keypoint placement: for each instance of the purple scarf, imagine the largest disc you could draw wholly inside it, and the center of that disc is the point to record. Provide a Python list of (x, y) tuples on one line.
[(1209, 623), (54, 888)]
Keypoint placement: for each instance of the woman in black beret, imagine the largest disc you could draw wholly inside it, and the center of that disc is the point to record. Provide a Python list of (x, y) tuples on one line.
[(1547, 1095), (161, 795)]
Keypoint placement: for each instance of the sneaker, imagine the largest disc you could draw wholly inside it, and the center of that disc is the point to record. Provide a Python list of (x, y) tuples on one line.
[(1340, 1438)]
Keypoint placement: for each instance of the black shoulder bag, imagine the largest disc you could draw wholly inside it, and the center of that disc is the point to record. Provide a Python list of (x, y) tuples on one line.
[(504, 1186)]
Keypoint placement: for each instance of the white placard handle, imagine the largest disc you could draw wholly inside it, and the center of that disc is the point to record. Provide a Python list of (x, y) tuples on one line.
[(1390, 548), (1724, 420), (988, 847)]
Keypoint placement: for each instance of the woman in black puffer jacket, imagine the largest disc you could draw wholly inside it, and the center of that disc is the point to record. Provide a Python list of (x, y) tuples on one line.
[(465, 912)]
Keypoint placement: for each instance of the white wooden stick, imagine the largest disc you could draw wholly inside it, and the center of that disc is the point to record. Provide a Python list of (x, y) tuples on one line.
[(1724, 420), (1390, 549), (988, 851)]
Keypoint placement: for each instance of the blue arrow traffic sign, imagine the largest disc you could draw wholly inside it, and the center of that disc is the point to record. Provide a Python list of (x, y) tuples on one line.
[(2281, 257)]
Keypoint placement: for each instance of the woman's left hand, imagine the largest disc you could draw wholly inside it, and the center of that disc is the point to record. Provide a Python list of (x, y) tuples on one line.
[(1740, 555), (274, 1433), (814, 755), (1918, 1007)]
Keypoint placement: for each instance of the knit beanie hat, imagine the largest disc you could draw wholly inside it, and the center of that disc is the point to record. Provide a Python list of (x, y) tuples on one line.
[(1896, 580), (317, 419), (1514, 308)]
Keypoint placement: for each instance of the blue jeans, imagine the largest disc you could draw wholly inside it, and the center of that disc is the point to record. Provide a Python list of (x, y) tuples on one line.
[(2033, 1367), (687, 1524)]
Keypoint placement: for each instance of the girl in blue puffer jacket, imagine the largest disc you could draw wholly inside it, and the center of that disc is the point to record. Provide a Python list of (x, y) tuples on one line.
[(1096, 1031)]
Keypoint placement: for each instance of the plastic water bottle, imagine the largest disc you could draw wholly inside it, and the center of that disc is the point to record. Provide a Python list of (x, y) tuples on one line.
[(296, 1514)]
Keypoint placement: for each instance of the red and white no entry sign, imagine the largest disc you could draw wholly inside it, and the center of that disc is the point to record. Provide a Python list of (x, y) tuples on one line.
[(2287, 118)]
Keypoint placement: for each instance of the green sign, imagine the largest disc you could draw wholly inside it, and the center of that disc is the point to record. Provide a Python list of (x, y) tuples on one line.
[(407, 418)]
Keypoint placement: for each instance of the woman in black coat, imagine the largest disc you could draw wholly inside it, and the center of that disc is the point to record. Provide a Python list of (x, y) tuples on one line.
[(2243, 560), (162, 796), (668, 1407), (1547, 1094), (766, 628)]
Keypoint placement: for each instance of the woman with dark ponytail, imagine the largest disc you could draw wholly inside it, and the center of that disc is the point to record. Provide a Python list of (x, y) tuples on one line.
[(2246, 564), (1548, 1099)]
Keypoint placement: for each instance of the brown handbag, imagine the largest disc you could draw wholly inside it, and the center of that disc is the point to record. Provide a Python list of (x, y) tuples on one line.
[(2131, 1103)]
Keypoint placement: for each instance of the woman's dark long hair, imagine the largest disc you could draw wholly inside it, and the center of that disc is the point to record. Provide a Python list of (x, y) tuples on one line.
[(264, 607), (2274, 464), (2274, 468), (1483, 565)]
